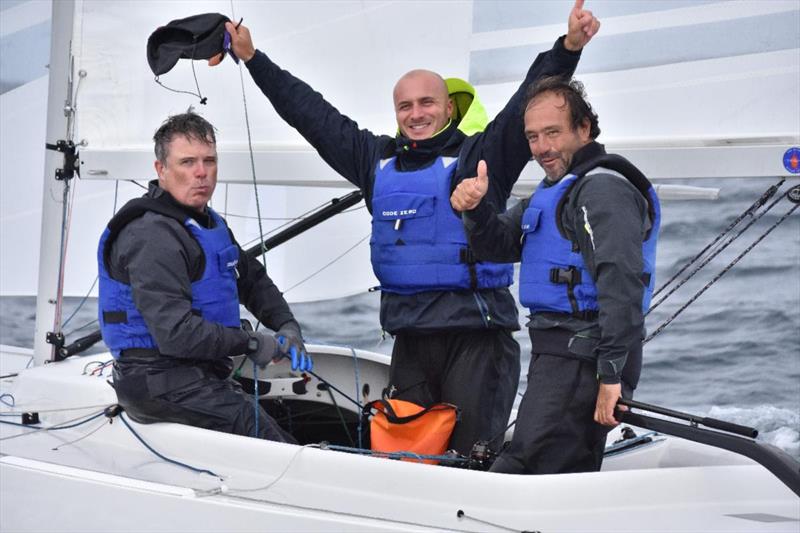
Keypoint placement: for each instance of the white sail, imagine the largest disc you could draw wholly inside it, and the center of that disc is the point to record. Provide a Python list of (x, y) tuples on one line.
[(683, 88)]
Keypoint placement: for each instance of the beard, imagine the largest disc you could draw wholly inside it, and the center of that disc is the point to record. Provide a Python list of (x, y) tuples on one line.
[(556, 166)]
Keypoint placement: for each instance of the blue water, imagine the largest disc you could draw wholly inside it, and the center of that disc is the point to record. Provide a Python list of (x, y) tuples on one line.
[(733, 354)]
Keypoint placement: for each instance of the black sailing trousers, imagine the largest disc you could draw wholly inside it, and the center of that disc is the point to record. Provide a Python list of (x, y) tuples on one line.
[(555, 430), (194, 393), (476, 370)]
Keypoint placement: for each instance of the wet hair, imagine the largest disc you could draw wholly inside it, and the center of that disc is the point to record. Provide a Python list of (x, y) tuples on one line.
[(189, 124), (580, 110)]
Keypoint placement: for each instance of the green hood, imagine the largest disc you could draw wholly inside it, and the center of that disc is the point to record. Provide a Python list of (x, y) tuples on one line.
[(468, 113)]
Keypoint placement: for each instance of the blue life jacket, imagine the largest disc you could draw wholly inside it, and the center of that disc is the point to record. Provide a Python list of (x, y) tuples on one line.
[(215, 296), (553, 276), (418, 242)]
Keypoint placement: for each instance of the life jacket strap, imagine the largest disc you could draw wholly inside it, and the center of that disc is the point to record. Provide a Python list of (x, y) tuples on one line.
[(115, 317), (467, 256)]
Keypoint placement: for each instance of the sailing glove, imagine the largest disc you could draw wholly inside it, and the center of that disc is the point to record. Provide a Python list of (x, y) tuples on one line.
[(263, 348), (291, 345)]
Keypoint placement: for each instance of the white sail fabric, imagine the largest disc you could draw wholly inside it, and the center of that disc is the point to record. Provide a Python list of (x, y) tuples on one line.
[(683, 88)]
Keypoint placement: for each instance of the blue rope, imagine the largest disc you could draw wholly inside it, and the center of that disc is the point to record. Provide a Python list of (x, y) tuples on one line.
[(80, 305), (255, 396), (167, 459)]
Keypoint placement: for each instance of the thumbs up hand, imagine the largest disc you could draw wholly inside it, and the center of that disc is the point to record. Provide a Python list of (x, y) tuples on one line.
[(469, 193)]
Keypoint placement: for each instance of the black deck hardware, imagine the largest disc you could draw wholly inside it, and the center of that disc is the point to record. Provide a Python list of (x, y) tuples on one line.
[(84, 343), (781, 464), (71, 164)]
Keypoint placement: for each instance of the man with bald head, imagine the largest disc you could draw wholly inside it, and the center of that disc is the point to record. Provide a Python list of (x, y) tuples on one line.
[(452, 317)]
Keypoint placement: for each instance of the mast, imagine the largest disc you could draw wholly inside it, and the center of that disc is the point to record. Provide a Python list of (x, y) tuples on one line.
[(59, 115)]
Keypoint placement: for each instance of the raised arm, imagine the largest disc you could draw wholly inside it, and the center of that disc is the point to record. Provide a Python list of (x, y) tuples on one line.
[(504, 146), (349, 150)]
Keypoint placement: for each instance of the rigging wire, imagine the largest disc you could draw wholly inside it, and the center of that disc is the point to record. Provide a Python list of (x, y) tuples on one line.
[(59, 410), (749, 211), (343, 421), (301, 216), (721, 247), (255, 398), (730, 265), (358, 394), (461, 514), (80, 304), (68, 194), (81, 327), (256, 408), (89, 292), (69, 424), (330, 263), (92, 432), (289, 219)]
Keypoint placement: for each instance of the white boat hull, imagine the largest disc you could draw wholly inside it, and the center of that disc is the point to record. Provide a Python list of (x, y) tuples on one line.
[(109, 481)]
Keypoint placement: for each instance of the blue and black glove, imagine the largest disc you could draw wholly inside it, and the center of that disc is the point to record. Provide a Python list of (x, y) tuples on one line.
[(262, 348), (290, 343)]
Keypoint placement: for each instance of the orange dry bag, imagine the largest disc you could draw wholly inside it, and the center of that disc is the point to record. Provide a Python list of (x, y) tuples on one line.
[(401, 426)]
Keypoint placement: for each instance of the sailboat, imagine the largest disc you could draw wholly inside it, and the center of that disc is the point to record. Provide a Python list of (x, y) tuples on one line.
[(75, 463)]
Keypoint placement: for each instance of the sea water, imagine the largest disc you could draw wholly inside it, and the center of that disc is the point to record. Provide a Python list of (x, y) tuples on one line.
[(733, 354)]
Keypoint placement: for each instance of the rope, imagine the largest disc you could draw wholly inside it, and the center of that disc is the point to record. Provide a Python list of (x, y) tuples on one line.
[(358, 395), (164, 458), (89, 292), (80, 327), (61, 410), (278, 478), (329, 384), (461, 514), (720, 249), (723, 271), (255, 397), (198, 94), (70, 443), (69, 424), (256, 412), (343, 421), (749, 211)]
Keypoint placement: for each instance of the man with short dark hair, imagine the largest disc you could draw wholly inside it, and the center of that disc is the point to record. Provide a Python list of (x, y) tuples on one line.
[(586, 240), (171, 281), (451, 316)]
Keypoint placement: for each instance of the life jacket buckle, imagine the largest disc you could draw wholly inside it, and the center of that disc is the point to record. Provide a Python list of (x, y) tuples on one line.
[(570, 276)]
